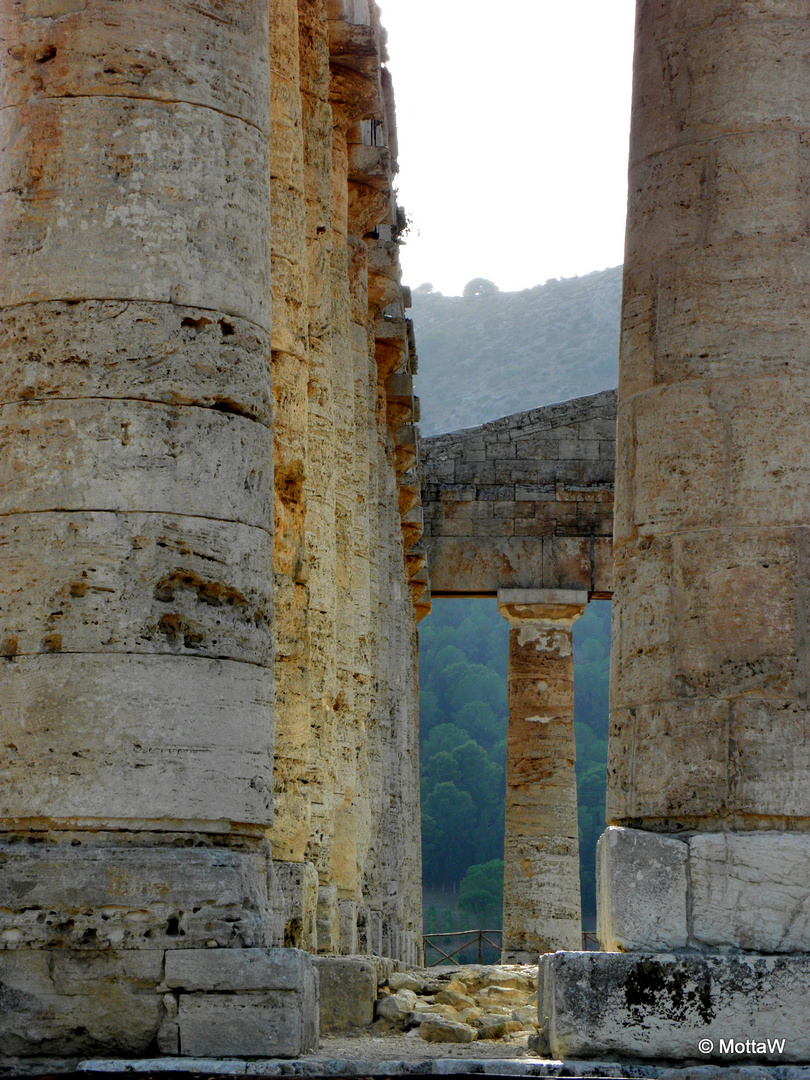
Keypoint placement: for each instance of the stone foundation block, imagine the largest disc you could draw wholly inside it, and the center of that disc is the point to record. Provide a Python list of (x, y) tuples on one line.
[(298, 884), (641, 885), (66, 1003), (699, 1008), (348, 990), (243, 1002), (746, 891), (751, 890)]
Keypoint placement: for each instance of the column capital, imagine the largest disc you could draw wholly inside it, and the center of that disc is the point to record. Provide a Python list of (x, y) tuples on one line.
[(541, 605)]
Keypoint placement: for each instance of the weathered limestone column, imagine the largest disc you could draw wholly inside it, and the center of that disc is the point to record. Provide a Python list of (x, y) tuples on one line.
[(541, 898), (709, 758), (136, 512), (710, 662)]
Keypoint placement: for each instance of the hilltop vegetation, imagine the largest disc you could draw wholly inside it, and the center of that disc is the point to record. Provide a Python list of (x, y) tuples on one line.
[(491, 353)]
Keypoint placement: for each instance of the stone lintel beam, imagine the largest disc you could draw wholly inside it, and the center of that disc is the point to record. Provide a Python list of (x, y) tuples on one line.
[(541, 904)]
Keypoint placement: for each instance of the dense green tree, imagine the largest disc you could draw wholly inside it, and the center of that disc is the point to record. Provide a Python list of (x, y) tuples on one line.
[(481, 894)]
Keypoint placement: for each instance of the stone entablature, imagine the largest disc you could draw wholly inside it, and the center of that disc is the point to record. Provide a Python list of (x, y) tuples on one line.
[(523, 502)]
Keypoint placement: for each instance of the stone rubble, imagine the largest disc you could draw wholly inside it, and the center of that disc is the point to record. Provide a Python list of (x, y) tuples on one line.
[(459, 1004)]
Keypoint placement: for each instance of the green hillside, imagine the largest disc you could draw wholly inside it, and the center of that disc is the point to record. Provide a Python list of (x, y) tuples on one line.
[(485, 356)]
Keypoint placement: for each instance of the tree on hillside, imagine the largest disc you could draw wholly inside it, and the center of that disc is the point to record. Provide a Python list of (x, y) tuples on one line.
[(481, 894), (480, 286)]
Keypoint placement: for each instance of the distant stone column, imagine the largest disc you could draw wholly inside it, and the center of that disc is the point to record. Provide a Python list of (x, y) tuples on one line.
[(541, 897)]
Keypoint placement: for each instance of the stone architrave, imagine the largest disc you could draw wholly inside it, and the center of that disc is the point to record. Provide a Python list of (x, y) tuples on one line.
[(541, 902)]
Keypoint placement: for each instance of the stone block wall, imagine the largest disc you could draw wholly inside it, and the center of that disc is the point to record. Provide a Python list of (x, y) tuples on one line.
[(523, 502)]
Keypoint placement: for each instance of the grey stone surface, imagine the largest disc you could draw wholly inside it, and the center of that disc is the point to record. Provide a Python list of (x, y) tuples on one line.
[(269, 1024), (751, 891), (238, 969), (725, 890), (328, 919), (348, 990), (659, 1006), (92, 891), (641, 885), (298, 884), (495, 499)]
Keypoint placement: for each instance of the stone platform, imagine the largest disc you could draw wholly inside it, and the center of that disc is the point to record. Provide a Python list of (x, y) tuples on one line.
[(742, 1008)]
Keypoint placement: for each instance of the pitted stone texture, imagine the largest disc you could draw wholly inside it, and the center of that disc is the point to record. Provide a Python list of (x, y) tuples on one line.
[(712, 459), (298, 884), (135, 583), (142, 737), (143, 351), (237, 970), (525, 501), (658, 1006), (131, 456), (172, 189), (328, 919), (202, 54), (89, 891), (66, 1003), (641, 884), (348, 990)]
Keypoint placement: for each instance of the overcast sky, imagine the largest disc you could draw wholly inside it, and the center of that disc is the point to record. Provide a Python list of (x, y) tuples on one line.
[(513, 125)]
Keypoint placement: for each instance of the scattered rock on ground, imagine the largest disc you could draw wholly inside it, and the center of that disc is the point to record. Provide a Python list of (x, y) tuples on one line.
[(438, 1029)]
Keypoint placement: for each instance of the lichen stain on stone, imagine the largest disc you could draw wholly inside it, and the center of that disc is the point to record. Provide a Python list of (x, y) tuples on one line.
[(651, 988)]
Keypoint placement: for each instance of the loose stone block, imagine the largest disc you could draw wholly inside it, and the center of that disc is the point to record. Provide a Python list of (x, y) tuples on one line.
[(751, 891), (641, 884), (662, 1006), (348, 990)]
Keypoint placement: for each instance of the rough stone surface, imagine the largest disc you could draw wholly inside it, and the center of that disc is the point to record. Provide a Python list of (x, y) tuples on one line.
[(712, 459), (662, 1006), (708, 891), (206, 600), (348, 990), (641, 882), (523, 502), (440, 1030)]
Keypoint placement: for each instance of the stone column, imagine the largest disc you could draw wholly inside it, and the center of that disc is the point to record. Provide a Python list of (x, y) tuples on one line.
[(709, 755), (710, 639), (541, 898), (136, 503)]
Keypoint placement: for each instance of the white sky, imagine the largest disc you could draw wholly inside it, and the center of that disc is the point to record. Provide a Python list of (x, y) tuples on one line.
[(513, 121)]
